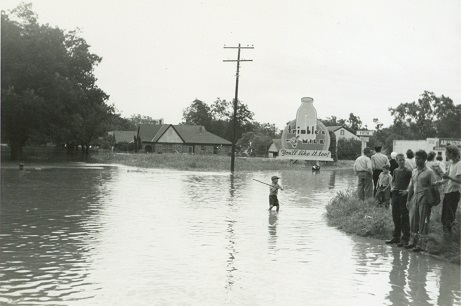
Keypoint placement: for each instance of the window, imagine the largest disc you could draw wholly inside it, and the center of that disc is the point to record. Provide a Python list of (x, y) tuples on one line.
[(341, 133), (191, 150)]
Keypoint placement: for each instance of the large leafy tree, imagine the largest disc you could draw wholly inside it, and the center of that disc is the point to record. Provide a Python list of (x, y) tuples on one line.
[(218, 118), (429, 116), (48, 88)]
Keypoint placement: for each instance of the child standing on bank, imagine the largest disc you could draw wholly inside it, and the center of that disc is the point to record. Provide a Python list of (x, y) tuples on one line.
[(383, 187), (273, 191)]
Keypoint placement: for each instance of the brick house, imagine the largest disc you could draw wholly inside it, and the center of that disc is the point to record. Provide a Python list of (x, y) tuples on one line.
[(168, 138)]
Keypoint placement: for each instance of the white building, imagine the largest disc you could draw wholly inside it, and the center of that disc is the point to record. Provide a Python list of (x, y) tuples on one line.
[(437, 145), (342, 132)]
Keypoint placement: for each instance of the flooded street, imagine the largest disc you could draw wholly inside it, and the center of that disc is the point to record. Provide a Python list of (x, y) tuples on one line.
[(81, 234)]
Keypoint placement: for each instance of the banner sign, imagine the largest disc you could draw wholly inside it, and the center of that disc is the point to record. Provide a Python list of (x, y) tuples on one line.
[(445, 141), (365, 133), (319, 155)]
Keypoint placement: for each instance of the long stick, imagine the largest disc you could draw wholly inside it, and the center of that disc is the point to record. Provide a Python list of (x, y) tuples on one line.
[(266, 184)]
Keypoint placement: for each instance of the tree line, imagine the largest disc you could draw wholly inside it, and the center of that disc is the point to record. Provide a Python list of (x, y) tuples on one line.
[(49, 95)]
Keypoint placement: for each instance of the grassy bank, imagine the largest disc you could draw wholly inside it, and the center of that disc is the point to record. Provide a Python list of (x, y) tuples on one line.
[(352, 216), (208, 162)]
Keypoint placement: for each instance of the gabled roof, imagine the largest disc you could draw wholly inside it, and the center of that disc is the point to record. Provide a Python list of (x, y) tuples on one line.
[(334, 128), (277, 144), (194, 134), (124, 136), (151, 132)]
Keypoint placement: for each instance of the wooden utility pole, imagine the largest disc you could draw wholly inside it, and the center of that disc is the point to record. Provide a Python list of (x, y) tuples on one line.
[(236, 98)]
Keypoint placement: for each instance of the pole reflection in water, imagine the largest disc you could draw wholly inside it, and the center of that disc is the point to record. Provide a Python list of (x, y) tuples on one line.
[(230, 236)]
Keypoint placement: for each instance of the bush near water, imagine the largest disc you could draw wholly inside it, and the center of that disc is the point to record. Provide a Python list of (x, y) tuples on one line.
[(347, 213)]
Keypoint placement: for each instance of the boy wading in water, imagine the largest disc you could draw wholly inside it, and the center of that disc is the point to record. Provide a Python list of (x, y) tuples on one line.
[(273, 191)]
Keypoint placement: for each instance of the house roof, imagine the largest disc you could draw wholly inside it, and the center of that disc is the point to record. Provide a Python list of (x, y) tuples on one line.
[(191, 134), (152, 132), (123, 136), (277, 144), (198, 135), (334, 128)]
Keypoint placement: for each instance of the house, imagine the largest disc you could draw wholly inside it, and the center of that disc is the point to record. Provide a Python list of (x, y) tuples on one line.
[(342, 132), (168, 138), (274, 148)]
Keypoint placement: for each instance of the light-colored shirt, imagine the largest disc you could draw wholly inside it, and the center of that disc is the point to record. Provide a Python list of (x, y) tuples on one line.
[(421, 180), (437, 167), (363, 163), (384, 180), (378, 161), (453, 171), (410, 163)]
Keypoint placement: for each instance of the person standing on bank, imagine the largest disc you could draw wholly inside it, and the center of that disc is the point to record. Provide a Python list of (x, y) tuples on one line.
[(273, 191), (393, 163), (410, 161), (383, 187), (452, 181), (378, 160), (422, 179), (364, 172), (400, 216)]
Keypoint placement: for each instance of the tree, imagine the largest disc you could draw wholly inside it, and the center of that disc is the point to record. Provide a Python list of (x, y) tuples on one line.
[(50, 72), (198, 113), (333, 120), (141, 119), (354, 122), (348, 149), (430, 116), (254, 144)]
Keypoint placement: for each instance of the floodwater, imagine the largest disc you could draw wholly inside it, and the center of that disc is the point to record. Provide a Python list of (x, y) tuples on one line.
[(82, 234)]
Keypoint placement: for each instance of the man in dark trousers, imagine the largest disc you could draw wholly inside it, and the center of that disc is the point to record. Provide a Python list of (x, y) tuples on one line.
[(400, 215)]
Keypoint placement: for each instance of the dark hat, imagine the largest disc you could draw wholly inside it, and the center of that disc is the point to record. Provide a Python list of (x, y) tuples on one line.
[(274, 177)]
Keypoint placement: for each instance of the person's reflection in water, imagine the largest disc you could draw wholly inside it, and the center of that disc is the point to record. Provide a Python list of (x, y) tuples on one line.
[(449, 284), (417, 278), (397, 279), (272, 227), (331, 183)]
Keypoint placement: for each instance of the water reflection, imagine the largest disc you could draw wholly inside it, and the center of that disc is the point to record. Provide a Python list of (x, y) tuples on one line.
[(397, 277), (112, 236), (272, 227)]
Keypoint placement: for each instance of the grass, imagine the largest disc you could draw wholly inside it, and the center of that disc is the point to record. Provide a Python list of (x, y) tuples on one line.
[(347, 213), (208, 162)]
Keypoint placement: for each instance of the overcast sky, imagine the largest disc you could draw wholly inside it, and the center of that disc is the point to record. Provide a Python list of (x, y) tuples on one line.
[(350, 56)]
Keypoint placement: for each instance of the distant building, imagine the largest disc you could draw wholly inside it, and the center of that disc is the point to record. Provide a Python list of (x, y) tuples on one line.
[(122, 136), (437, 145), (342, 132), (274, 148), (168, 138)]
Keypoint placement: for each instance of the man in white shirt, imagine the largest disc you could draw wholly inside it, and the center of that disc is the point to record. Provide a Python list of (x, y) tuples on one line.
[(378, 160), (364, 172), (452, 181)]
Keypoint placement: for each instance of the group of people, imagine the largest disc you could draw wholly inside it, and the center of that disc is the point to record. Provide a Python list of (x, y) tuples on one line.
[(413, 184)]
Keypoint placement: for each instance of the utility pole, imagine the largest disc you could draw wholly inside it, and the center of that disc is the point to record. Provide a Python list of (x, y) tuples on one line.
[(236, 97)]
